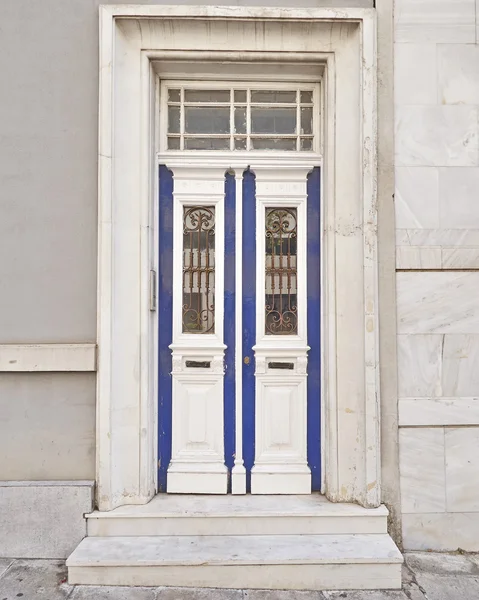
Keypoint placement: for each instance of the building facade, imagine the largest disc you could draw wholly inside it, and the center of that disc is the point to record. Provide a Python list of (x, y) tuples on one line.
[(240, 253)]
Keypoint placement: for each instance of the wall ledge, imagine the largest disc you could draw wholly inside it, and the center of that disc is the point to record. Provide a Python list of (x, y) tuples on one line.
[(16, 358)]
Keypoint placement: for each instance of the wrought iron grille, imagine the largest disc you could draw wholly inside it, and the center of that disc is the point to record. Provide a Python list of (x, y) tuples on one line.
[(281, 298), (198, 315)]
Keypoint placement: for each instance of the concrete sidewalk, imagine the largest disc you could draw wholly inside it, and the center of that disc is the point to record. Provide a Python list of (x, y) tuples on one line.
[(426, 576)]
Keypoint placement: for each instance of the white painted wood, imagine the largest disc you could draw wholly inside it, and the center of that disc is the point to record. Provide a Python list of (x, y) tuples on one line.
[(197, 461), (47, 357), (351, 389), (274, 562), (281, 465)]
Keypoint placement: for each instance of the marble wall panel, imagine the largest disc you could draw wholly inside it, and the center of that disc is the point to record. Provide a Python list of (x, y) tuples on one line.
[(422, 480), (415, 80), (420, 366), (460, 258), (458, 197), (438, 302), (441, 531), (437, 136), (435, 412), (462, 469), (416, 257), (450, 21), (452, 238), (416, 198), (460, 368), (458, 73)]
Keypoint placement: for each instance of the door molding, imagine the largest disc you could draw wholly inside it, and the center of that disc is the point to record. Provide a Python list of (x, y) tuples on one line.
[(132, 40)]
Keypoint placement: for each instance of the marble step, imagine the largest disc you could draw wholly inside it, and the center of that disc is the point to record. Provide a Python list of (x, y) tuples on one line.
[(170, 514), (308, 562)]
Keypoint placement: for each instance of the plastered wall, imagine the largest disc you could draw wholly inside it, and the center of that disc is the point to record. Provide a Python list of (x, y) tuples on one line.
[(437, 219)]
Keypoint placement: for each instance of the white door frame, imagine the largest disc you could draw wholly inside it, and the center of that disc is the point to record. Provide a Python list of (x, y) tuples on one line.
[(132, 38)]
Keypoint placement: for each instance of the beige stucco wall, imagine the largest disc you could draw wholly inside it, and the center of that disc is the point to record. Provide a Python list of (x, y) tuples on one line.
[(47, 425), (437, 219)]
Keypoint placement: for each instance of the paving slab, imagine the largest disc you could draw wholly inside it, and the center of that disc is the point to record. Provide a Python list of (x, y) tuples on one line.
[(449, 587), (35, 580), (282, 595), (4, 564), (366, 595), (441, 564), (94, 592), (474, 558), (177, 593)]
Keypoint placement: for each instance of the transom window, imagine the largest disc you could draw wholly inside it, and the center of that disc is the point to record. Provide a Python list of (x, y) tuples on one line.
[(240, 118)]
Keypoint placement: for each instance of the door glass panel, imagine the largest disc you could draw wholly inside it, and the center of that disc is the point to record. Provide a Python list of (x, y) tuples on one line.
[(198, 269), (306, 121), (273, 143), (209, 143), (273, 120), (273, 97), (212, 96), (241, 119), (174, 119), (206, 119), (281, 295)]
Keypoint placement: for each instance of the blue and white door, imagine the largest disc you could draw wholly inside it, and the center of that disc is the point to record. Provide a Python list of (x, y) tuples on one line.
[(239, 290)]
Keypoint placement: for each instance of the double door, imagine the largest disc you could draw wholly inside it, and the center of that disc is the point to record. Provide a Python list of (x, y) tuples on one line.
[(239, 329)]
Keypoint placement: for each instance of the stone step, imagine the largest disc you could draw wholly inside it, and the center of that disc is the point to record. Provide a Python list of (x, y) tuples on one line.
[(169, 514), (307, 562)]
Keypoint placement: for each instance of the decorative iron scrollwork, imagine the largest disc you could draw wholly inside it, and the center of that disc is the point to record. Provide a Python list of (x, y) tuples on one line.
[(198, 269), (281, 310)]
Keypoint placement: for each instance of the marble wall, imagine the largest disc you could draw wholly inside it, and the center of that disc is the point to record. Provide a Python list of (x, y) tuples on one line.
[(437, 220)]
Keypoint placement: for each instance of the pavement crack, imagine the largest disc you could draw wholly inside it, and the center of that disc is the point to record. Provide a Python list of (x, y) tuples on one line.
[(415, 582)]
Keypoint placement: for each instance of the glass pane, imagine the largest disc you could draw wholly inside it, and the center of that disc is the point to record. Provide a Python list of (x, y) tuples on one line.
[(273, 120), (240, 143), (207, 143), (240, 95), (306, 97), (273, 97), (198, 269), (207, 120), (174, 96), (173, 143), (240, 120), (173, 119), (281, 299), (207, 96), (273, 143), (306, 120), (306, 143)]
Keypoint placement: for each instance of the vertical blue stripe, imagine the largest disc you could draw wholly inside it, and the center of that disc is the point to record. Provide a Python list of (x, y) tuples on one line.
[(249, 320), (314, 325), (165, 322), (229, 323)]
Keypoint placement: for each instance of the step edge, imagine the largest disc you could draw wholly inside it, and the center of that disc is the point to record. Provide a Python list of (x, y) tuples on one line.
[(379, 512), (385, 560)]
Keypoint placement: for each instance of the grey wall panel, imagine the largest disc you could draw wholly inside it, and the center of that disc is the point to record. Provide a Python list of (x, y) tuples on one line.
[(48, 166), (47, 425)]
